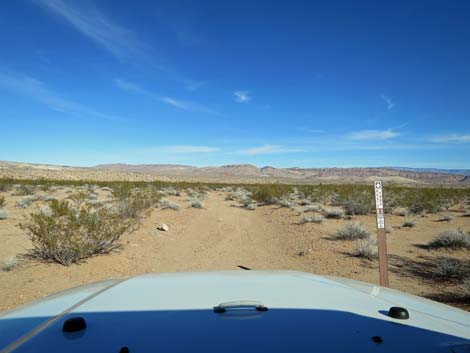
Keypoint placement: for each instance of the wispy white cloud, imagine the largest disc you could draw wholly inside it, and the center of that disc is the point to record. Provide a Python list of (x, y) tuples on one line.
[(374, 135), (194, 85), (269, 149), (128, 86), (88, 20), (242, 96), (388, 101), (35, 89), (454, 138), (183, 149), (174, 102)]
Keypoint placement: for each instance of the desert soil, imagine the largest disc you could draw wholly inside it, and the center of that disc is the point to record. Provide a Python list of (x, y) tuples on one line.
[(224, 236)]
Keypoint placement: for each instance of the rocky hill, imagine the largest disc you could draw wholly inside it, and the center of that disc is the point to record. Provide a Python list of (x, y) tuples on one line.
[(230, 173)]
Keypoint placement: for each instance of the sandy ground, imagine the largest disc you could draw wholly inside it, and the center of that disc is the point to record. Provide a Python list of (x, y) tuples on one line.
[(224, 236)]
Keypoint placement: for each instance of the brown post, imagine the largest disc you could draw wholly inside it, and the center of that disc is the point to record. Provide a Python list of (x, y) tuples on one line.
[(381, 233)]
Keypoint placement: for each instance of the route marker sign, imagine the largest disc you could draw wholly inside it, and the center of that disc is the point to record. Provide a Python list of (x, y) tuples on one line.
[(381, 233)]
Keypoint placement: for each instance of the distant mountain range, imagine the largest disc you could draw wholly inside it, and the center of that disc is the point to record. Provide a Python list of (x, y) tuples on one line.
[(236, 173)]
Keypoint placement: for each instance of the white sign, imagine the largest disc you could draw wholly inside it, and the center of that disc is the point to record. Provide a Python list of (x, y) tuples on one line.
[(380, 222), (379, 202)]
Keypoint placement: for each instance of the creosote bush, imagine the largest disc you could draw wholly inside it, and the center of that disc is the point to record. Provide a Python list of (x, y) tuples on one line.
[(132, 205), (453, 239), (352, 231), (358, 203), (66, 234)]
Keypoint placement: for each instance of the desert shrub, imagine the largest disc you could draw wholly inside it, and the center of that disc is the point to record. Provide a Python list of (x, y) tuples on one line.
[(358, 203), (453, 239), (352, 231), (95, 203), (2, 201), (24, 190), (315, 219), (122, 191), (92, 196), (135, 203), (449, 268), (466, 214), (388, 229), (367, 248), (268, 194), (67, 234), (285, 202), (251, 206), (408, 223), (196, 203), (164, 204), (400, 211), (446, 218), (336, 213), (304, 202), (9, 263), (465, 287), (24, 202), (312, 208), (47, 198), (5, 185), (3, 214)]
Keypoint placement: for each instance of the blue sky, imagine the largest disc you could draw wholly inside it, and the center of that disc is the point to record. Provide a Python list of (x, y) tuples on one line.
[(292, 83)]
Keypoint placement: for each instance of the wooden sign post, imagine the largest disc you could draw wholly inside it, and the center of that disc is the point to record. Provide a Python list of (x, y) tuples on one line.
[(381, 233)]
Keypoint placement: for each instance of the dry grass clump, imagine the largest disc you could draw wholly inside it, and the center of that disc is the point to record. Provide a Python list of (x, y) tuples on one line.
[(196, 203), (312, 219), (408, 223), (10, 263), (446, 218), (164, 204), (66, 234), (465, 287), (352, 231), (3, 214), (285, 202), (452, 239), (451, 269), (312, 208), (335, 213), (367, 248)]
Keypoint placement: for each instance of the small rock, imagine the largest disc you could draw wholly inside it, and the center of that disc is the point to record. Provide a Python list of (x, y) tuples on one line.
[(304, 252), (163, 227)]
